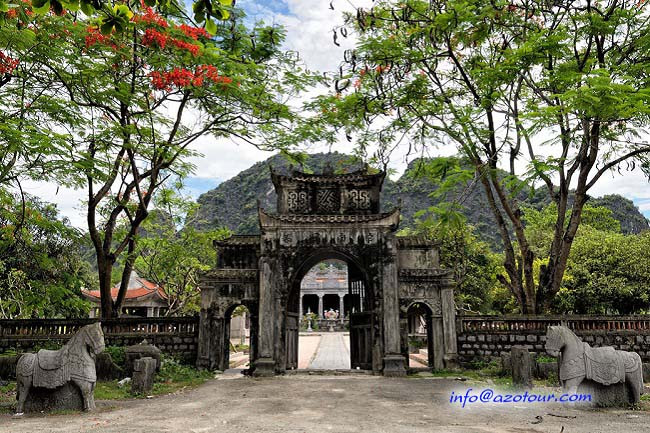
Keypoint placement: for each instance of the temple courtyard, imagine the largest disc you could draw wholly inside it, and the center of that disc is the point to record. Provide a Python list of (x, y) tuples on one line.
[(324, 403)]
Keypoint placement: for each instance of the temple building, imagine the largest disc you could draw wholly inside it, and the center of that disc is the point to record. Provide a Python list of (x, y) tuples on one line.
[(325, 288), (143, 298)]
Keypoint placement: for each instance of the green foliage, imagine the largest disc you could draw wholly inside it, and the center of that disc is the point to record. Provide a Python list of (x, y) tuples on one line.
[(173, 258), (496, 82), (118, 354), (41, 272), (475, 266), (608, 273)]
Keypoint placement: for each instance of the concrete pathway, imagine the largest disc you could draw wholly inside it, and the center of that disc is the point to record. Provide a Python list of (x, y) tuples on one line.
[(333, 353), (307, 347)]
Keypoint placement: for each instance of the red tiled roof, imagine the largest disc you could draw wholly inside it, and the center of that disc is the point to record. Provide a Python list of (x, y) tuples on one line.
[(138, 287)]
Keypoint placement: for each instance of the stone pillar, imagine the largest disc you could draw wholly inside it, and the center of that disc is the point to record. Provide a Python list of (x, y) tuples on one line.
[(341, 308), (449, 326), (393, 358), (522, 369), (265, 364), (300, 308), (320, 306)]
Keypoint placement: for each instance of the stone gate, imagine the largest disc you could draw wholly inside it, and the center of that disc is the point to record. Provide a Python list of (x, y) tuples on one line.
[(320, 217)]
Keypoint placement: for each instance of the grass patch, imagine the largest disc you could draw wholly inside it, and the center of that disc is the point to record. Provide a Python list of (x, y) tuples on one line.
[(172, 377)]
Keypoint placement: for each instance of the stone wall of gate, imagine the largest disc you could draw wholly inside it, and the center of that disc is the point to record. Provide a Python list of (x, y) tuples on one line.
[(486, 337), (177, 336)]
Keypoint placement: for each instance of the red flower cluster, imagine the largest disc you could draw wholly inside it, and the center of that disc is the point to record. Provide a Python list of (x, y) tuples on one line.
[(12, 13), (94, 37), (7, 64), (193, 32), (154, 36), (181, 77), (150, 17), (194, 49)]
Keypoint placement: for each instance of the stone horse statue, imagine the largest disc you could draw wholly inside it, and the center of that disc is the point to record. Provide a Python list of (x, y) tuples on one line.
[(604, 365), (54, 368)]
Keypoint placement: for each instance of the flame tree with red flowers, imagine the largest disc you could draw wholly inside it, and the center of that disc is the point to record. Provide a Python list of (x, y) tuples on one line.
[(131, 100)]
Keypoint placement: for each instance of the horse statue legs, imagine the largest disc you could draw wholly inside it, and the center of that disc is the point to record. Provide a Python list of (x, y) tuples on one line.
[(87, 392)]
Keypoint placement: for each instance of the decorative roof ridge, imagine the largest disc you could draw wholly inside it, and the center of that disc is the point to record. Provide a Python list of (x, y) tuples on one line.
[(299, 176), (333, 218)]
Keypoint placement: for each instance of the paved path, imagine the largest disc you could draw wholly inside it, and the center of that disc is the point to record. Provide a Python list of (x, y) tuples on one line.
[(307, 347), (333, 353)]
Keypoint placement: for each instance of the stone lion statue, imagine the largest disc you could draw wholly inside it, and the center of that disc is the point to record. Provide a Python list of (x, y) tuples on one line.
[(74, 362), (604, 365)]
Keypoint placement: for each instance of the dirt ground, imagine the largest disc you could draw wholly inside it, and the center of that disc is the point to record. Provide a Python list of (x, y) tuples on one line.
[(313, 403)]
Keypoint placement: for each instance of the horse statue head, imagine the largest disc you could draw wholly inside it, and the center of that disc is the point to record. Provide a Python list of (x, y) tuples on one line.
[(557, 338), (89, 338)]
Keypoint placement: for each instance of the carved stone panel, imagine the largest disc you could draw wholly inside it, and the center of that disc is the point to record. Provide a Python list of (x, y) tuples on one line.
[(297, 201), (358, 199), (328, 201), (291, 237)]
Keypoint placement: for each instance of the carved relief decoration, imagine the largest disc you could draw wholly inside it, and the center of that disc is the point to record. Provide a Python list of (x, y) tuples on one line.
[(297, 201), (327, 201), (358, 199)]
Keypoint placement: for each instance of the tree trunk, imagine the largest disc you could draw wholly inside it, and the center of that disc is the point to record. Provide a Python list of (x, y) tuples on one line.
[(106, 301)]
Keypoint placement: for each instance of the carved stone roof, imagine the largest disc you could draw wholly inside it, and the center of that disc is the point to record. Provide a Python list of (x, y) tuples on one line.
[(434, 274), (230, 275), (415, 242), (237, 240), (385, 218), (353, 177)]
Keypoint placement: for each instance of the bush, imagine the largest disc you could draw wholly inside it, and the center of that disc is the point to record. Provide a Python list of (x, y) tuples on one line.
[(117, 354)]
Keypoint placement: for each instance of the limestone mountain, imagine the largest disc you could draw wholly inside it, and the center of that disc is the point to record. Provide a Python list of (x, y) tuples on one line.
[(233, 203)]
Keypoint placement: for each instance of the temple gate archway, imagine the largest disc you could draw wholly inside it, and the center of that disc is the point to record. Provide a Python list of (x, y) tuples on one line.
[(320, 217)]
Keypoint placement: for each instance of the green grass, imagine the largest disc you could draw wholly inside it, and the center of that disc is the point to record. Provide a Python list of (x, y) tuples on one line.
[(172, 377)]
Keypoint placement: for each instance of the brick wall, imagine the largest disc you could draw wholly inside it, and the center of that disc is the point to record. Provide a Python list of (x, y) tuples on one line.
[(177, 336), (487, 337)]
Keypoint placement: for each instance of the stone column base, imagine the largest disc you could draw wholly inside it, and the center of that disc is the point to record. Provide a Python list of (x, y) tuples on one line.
[(394, 366), (450, 360), (264, 367)]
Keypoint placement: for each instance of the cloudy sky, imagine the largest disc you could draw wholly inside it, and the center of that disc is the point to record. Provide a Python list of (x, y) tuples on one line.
[(309, 26)]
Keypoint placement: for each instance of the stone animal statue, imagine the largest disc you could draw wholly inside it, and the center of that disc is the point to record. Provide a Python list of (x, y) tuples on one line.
[(604, 365), (51, 369)]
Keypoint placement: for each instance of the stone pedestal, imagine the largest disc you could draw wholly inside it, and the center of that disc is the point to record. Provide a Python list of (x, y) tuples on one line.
[(144, 370), (604, 396), (142, 350), (66, 397), (394, 366), (522, 369), (264, 367)]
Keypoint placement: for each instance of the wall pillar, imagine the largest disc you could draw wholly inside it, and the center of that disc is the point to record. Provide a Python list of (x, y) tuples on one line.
[(449, 326), (265, 364), (341, 308), (393, 358), (320, 306)]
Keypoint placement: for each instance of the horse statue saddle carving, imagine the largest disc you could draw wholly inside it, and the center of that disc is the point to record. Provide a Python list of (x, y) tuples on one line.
[(49, 359), (604, 365), (51, 369)]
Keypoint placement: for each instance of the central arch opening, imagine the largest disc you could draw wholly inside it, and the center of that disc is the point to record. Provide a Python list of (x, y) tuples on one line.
[(329, 315)]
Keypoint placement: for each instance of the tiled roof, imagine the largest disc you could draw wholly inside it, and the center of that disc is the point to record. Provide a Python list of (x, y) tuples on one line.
[(138, 288)]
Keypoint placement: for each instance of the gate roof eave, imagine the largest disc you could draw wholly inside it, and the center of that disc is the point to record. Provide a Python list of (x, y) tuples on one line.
[(271, 221)]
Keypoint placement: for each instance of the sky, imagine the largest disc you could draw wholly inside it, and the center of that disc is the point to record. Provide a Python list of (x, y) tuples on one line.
[(309, 25)]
